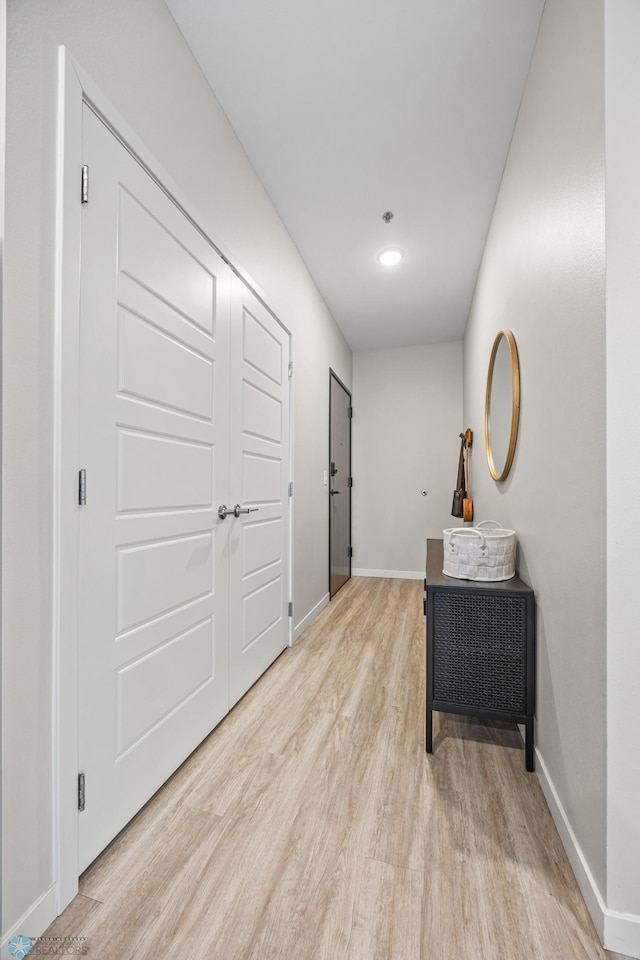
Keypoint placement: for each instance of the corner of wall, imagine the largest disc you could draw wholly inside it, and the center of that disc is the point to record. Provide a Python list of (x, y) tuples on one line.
[(309, 618)]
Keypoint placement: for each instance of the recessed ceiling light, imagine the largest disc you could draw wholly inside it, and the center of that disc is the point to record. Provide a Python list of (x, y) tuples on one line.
[(391, 256)]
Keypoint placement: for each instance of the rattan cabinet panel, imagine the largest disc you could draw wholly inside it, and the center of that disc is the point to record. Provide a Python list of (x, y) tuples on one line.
[(480, 648)]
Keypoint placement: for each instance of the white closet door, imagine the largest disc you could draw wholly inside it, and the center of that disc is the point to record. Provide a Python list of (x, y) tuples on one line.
[(259, 482), (154, 440)]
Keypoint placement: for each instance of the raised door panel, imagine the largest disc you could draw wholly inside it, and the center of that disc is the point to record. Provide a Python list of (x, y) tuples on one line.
[(179, 377)]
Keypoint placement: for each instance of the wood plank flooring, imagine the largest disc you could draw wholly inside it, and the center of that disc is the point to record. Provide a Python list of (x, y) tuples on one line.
[(311, 824)]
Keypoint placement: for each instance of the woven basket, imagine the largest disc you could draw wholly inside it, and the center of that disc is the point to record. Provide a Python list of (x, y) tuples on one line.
[(473, 553)]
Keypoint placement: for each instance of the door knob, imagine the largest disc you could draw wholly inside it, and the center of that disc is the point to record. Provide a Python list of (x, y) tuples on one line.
[(333, 492), (223, 511), (237, 510)]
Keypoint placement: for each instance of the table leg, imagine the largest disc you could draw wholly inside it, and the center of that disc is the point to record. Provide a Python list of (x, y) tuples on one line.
[(528, 745)]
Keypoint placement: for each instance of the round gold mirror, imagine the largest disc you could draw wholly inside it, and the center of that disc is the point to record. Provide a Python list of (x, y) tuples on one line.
[(502, 405)]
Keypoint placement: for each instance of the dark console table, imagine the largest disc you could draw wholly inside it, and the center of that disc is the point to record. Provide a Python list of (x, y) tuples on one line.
[(480, 648)]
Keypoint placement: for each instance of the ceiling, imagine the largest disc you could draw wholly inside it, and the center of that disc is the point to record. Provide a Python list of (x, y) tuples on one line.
[(351, 108)]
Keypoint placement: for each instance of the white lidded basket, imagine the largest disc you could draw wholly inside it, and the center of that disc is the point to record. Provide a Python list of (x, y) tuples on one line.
[(474, 553)]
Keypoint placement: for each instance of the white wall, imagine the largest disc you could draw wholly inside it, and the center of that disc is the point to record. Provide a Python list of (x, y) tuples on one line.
[(134, 52), (3, 74), (622, 29), (406, 422), (542, 276)]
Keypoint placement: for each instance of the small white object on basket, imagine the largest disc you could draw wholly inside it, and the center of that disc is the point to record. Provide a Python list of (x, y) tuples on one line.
[(473, 553)]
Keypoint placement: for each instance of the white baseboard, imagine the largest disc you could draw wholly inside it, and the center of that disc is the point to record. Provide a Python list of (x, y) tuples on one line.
[(310, 617), (622, 933), (588, 887), (33, 922), (618, 932), (391, 574)]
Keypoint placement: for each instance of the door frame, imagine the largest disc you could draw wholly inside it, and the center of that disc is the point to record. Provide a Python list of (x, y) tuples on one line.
[(334, 376), (74, 89)]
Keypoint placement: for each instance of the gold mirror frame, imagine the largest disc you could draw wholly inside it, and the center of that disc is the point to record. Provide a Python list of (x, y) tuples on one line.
[(515, 405)]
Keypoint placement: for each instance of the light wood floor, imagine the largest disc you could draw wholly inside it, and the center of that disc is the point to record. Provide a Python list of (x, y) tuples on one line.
[(311, 824)]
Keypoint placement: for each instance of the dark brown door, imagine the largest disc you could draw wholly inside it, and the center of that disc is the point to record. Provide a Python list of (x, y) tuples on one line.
[(339, 484)]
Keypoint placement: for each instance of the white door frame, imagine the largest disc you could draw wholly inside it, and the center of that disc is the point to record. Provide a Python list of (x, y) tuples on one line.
[(75, 88)]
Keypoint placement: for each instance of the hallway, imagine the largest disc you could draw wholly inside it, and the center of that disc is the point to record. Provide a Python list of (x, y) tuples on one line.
[(311, 823)]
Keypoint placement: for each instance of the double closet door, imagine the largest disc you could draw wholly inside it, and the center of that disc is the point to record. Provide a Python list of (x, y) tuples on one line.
[(183, 541)]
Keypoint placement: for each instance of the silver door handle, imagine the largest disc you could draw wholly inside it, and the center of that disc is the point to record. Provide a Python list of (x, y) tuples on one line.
[(237, 510), (333, 492), (223, 511)]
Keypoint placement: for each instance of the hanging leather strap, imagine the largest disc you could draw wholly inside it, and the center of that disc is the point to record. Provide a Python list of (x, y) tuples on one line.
[(461, 484), (460, 493)]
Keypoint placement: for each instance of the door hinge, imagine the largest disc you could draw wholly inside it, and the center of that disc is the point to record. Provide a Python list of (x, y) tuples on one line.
[(290, 608), (290, 369), (349, 551), (82, 488), (350, 413), (81, 792), (349, 481), (291, 488), (84, 193)]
